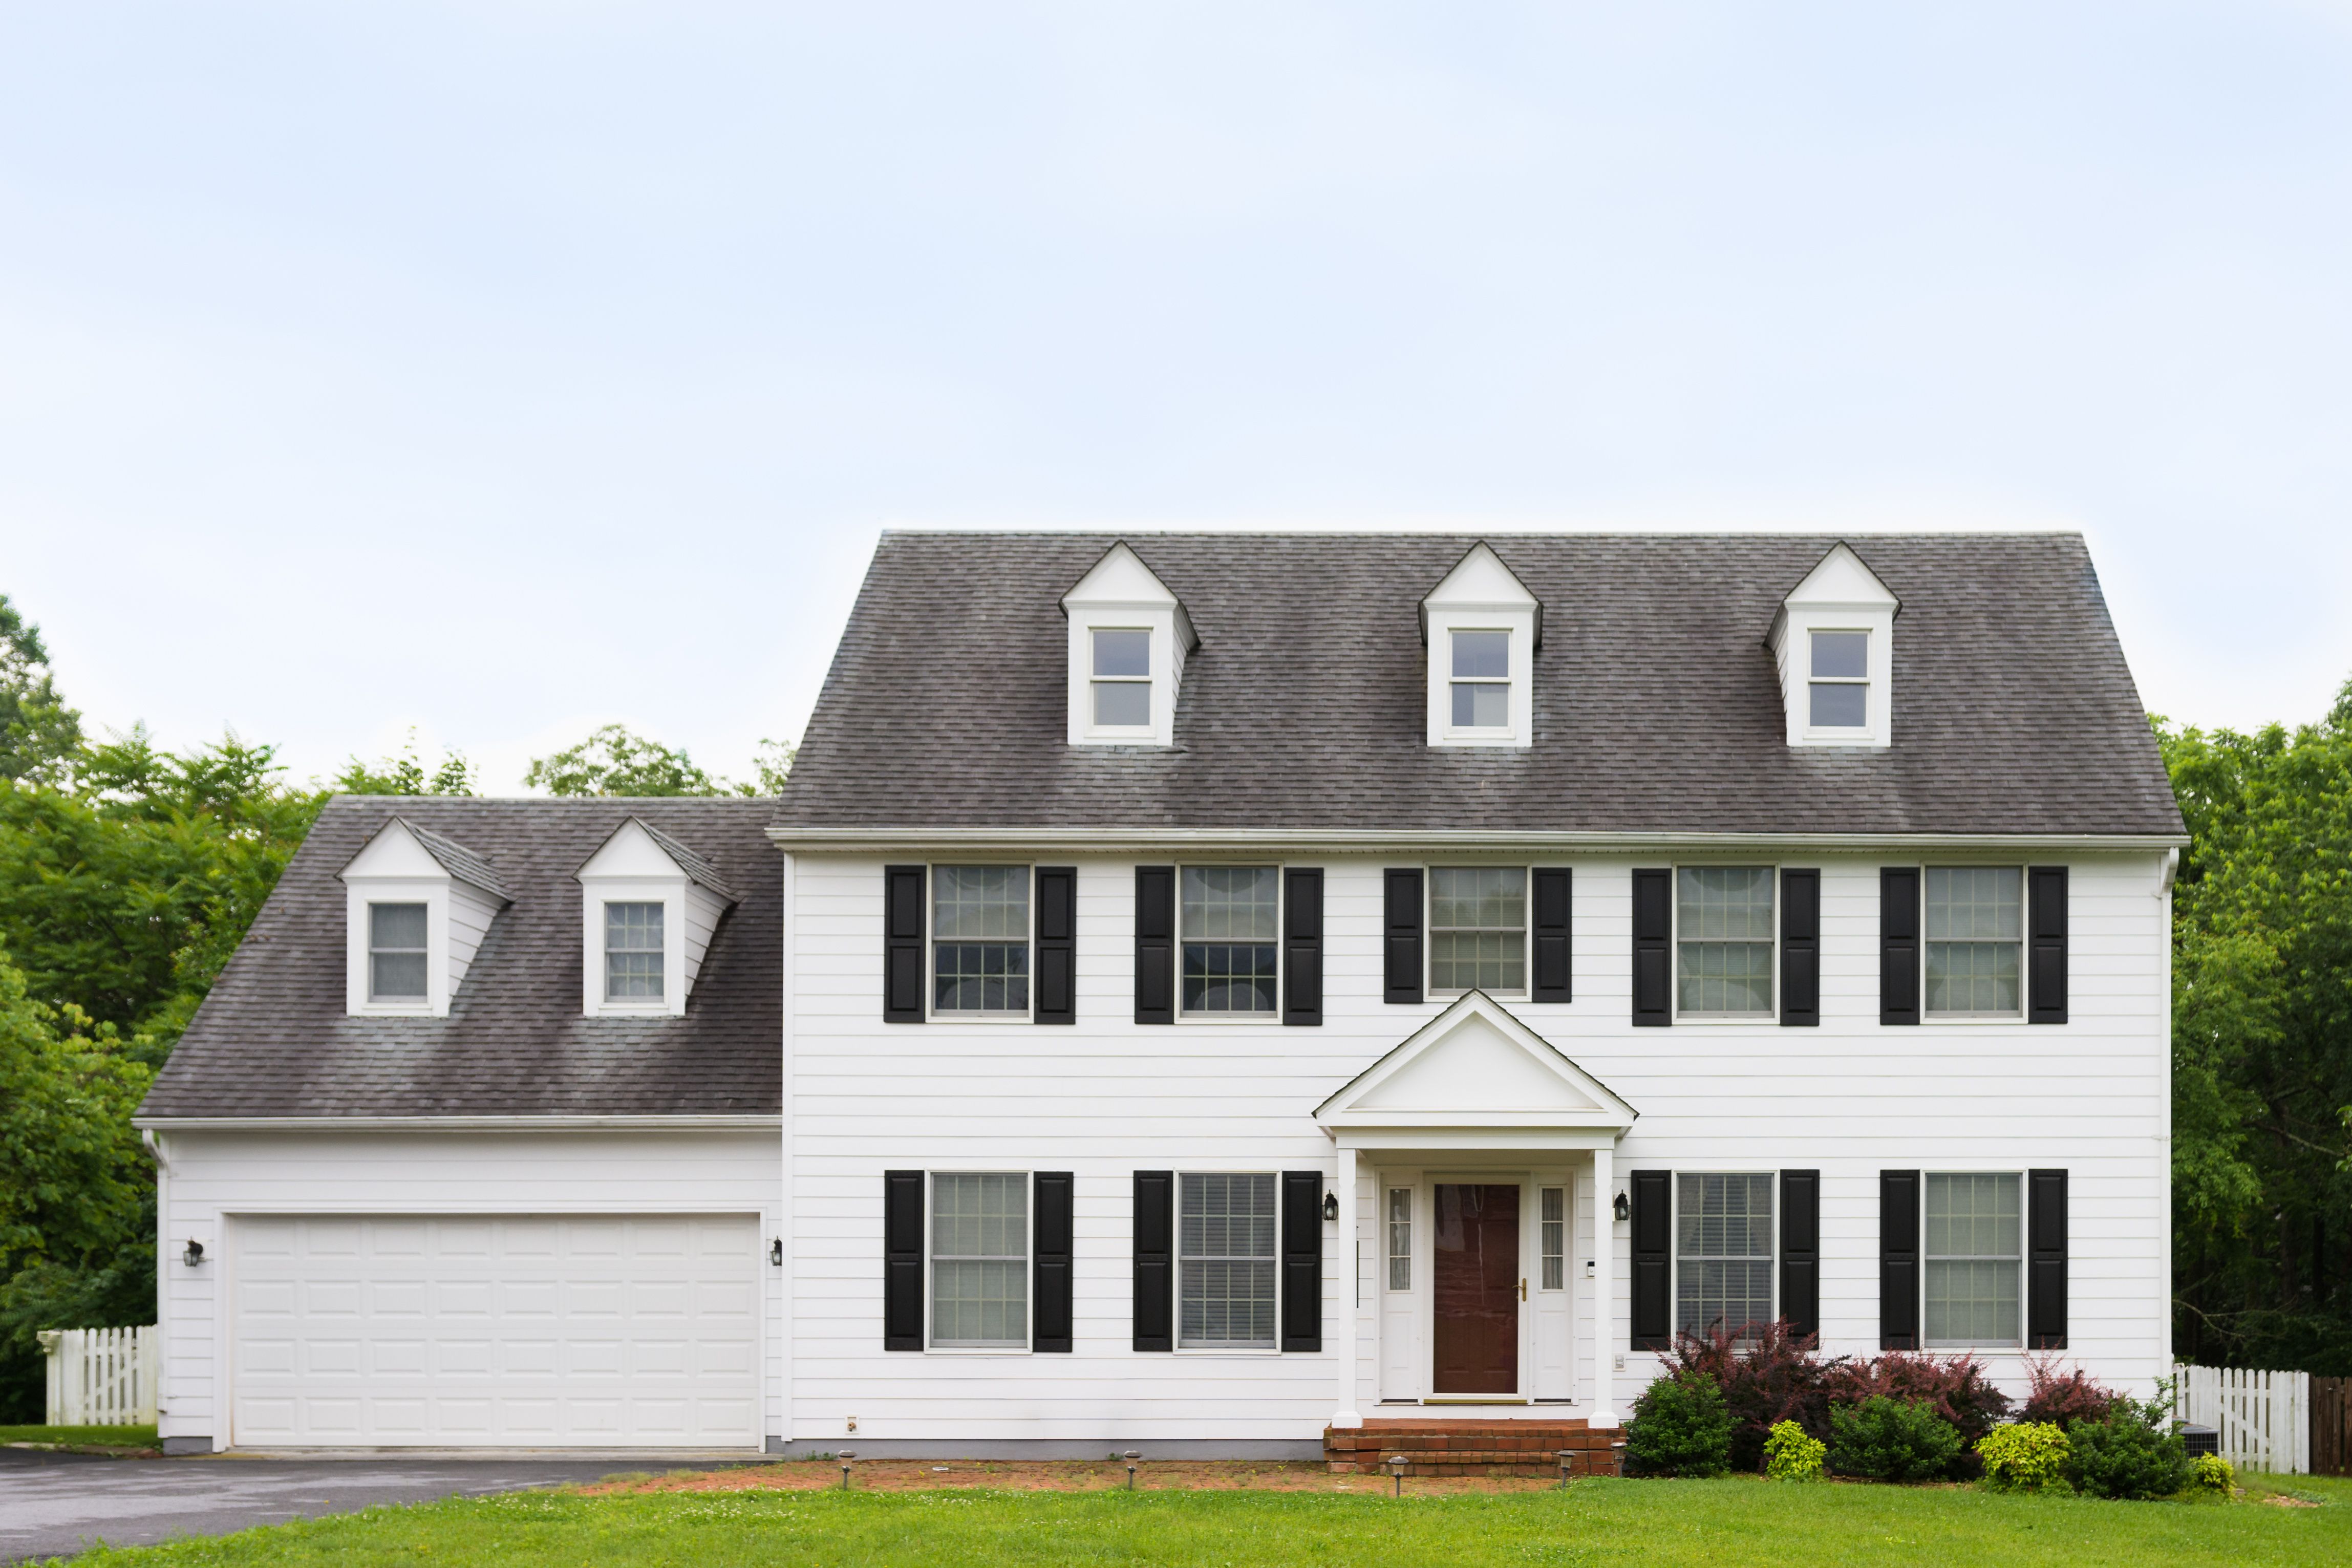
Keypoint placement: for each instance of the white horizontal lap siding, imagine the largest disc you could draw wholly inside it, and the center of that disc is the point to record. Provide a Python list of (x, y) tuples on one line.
[(1107, 1097), (215, 1175)]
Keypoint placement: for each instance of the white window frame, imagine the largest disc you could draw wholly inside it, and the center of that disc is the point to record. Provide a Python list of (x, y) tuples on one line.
[(1149, 680), (2024, 916), (2025, 1245), (1674, 945), (1029, 1265), (1390, 1225), (1429, 927), (423, 1001), (1545, 1256), (1227, 1020), (1176, 1270), (1675, 1231), (1456, 731), (1856, 732), (610, 1002), (931, 1009)]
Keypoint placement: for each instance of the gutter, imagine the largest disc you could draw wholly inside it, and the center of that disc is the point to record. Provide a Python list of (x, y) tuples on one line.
[(149, 1125), (1385, 841)]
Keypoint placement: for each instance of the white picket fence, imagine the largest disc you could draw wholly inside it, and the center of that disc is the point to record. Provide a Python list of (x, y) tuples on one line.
[(101, 1377), (2264, 1417)]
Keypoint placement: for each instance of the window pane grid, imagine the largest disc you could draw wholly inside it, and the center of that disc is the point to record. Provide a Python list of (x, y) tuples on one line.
[(1481, 687), (396, 953), (980, 939), (1225, 1261), (1477, 921), (633, 952), (1400, 1238), (1229, 937), (1724, 939), (1973, 1244), (1723, 1271), (1975, 938), (1555, 1238), (980, 1260)]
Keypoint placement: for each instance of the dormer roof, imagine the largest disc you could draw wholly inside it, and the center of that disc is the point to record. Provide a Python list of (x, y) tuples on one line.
[(1120, 579), (384, 855), (1839, 580), (613, 858), (1480, 581)]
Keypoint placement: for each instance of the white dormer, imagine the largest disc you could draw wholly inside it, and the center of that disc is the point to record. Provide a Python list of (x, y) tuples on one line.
[(1128, 641), (648, 906), (1481, 627), (418, 908), (1833, 641)]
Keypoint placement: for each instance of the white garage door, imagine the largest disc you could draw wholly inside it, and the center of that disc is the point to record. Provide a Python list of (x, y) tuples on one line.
[(620, 1331)]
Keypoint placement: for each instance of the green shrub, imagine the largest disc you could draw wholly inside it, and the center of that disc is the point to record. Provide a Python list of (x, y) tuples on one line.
[(1891, 1440), (1792, 1456), (2211, 1477), (2133, 1454), (2029, 1456), (1681, 1426)]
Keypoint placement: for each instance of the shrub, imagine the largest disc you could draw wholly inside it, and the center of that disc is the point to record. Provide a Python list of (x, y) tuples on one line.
[(1954, 1386), (2133, 1454), (1681, 1426), (2060, 1398), (1891, 1440), (2030, 1456), (1790, 1455), (1768, 1373), (2211, 1477)]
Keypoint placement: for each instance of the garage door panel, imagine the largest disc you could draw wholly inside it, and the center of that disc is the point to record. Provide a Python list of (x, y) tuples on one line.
[(494, 1331)]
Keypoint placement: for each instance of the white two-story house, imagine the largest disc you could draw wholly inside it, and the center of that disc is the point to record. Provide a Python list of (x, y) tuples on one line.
[(1206, 992)]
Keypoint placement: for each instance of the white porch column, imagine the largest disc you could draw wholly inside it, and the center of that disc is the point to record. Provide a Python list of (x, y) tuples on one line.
[(1604, 1294), (1345, 1341)]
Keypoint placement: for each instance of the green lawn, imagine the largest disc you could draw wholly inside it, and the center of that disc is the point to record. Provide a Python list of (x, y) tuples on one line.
[(1741, 1523), (117, 1436)]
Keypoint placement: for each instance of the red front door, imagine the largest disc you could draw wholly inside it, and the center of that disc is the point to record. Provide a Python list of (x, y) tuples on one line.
[(1478, 1296)]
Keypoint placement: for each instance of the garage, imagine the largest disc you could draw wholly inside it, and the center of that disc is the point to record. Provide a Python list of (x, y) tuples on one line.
[(488, 1331)]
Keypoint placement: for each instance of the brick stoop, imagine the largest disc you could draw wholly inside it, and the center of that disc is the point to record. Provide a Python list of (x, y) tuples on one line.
[(1471, 1448)]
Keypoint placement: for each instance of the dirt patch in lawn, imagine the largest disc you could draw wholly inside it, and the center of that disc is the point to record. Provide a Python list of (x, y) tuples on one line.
[(1054, 1475)]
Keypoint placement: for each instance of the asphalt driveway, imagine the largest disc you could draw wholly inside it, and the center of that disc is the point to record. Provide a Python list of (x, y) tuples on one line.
[(55, 1504)]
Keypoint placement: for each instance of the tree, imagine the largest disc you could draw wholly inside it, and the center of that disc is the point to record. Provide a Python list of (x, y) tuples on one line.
[(614, 761), (39, 734), (404, 774)]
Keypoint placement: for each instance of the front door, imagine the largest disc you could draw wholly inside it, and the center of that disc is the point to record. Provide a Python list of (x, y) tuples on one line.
[(1476, 1301)]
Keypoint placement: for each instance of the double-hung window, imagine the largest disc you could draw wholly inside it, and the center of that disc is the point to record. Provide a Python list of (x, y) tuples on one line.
[(1231, 938), (1975, 937), (633, 952), (980, 941), (1723, 1251), (396, 953), (1478, 928), (980, 1260), (1225, 1261), (1400, 1238), (1974, 1240), (1723, 935), (1839, 689), (1482, 680), (1122, 685)]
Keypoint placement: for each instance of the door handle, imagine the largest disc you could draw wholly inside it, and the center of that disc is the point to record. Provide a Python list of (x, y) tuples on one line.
[(1523, 1289)]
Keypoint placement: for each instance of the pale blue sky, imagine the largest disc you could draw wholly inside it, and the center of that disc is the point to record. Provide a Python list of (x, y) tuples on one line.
[(500, 369)]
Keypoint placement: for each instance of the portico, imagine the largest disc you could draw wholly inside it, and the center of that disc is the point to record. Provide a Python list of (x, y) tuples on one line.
[(1489, 1155)]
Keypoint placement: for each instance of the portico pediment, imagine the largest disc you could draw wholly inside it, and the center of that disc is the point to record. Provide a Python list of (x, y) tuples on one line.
[(1475, 1066)]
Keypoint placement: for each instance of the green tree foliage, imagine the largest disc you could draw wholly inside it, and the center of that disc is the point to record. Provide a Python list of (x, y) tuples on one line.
[(2262, 1044), (405, 775), (39, 734), (614, 761)]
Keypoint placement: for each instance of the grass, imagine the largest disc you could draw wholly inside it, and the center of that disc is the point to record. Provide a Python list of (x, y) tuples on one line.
[(113, 1436), (1745, 1523)]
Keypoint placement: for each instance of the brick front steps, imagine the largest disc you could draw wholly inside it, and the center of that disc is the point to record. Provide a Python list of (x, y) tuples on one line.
[(1440, 1447)]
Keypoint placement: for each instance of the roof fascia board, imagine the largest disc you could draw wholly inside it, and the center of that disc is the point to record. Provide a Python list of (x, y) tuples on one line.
[(453, 1123), (848, 840)]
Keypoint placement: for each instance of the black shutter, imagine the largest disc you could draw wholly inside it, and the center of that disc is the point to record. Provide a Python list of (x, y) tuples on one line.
[(1302, 944), (1302, 1260), (1401, 927), (902, 944), (902, 1259), (1801, 947), (1653, 935), (2045, 1261), (1155, 944), (1155, 1260), (1057, 945), (1653, 1225), (1554, 903), (1898, 943), (1050, 1196), (2046, 938), (1801, 1251), (1899, 1259)]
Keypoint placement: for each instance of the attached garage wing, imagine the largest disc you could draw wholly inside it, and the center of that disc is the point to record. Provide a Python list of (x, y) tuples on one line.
[(465, 1331)]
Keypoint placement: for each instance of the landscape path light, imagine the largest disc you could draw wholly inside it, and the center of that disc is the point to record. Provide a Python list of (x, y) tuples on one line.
[(1567, 1458), (1131, 1455), (847, 1456), (1397, 1462)]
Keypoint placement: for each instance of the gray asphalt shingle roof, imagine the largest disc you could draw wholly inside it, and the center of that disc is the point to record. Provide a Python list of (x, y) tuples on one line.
[(272, 1038), (1656, 703)]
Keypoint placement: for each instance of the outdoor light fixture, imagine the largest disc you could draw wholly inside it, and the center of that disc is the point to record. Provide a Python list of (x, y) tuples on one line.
[(194, 1254), (1331, 1205), (1397, 1462), (776, 1252), (1622, 1208), (1131, 1455), (846, 1456), (1567, 1460)]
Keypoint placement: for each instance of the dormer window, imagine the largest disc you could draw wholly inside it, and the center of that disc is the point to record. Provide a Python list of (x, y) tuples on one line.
[(633, 952), (1129, 640), (1832, 642), (398, 971), (1482, 680), (1840, 691), (1122, 677), (1481, 627)]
